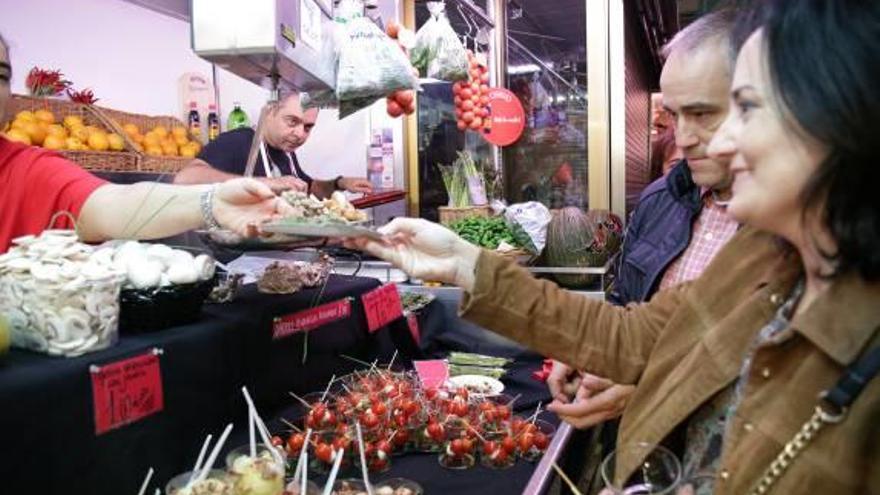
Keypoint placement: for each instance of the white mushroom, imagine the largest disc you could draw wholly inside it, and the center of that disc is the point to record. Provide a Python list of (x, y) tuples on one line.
[(204, 266), (182, 273), (145, 275)]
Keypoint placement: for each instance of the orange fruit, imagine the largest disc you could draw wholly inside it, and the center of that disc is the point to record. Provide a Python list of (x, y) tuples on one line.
[(98, 141), (154, 150), (54, 142), (72, 121), (80, 133), (26, 115), (179, 131), (160, 131), (74, 144), (181, 140), (93, 129), (19, 123), (151, 139), (36, 131), (18, 136), (169, 149), (116, 142), (56, 130), (131, 129), (138, 138), (45, 116), (189, 150)]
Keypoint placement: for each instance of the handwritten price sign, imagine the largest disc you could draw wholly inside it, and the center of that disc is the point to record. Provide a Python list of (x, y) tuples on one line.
[(382, 306), (126, 391), (309, 319)]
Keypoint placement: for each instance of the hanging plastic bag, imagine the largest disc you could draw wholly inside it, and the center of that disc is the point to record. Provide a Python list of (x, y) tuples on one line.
[(438, 52), (529, 222), (371, 65)]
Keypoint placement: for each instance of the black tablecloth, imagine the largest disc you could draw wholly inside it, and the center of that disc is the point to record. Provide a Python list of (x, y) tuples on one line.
[(47, 415)]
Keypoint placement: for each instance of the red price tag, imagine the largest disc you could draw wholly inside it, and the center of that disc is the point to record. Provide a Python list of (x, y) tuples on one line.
[(413, 322), (126, 391), (432, 373), (309, 319), (382, 306)]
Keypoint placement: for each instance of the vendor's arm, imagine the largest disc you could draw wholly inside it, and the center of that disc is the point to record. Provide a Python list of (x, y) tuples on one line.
[(588, 334), (151, 210), (325, 188)]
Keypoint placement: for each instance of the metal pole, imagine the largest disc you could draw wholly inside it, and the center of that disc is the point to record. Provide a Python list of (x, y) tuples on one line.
[(497, 11)]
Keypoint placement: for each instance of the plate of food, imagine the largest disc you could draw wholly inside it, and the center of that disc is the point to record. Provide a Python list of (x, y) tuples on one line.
[(313, 217), (477, 385)]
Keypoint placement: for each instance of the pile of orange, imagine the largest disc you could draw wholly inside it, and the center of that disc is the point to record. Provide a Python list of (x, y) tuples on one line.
[(160, 141), (40, 128)]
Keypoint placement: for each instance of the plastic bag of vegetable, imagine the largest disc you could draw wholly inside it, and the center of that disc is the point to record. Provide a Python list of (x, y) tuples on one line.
[(529, 221), (438, 52), (371, 65)]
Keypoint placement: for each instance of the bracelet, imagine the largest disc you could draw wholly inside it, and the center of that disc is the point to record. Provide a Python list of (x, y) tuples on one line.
[(207, 202)]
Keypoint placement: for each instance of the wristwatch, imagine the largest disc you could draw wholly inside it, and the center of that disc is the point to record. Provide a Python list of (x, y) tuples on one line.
[(336, 185), (207, 203)]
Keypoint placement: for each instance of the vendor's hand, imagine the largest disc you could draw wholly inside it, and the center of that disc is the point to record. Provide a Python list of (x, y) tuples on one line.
[(563, 382), (285, 183), (424, 250), (355, 185), (597, 400), (241, 205)]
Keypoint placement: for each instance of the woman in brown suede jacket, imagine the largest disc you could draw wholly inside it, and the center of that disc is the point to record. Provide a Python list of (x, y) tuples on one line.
[(740, 356)]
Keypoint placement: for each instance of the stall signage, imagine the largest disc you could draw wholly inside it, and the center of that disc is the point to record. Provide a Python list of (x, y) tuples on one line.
[(412, 321), (309, 319), (432, 373), (126, 391), (382, 306), (506, 119)]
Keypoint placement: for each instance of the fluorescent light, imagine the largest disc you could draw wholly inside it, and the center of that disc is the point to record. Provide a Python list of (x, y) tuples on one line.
[(523, 69)]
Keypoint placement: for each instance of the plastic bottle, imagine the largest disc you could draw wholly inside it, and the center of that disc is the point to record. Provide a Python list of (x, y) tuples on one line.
[(213, 123), (193, 121), (237, 118)]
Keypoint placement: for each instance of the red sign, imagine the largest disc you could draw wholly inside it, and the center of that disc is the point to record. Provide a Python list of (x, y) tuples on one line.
[(309, 319), (382, 306), (506, 119), (413, 322), (126, 391), (432, 373)]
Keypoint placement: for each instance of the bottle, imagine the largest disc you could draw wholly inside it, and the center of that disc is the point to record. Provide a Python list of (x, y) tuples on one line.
[(213, 122), (237, 118), (193, 121)]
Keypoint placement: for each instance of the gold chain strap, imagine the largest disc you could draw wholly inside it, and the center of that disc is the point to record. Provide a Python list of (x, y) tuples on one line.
[(794, 447)]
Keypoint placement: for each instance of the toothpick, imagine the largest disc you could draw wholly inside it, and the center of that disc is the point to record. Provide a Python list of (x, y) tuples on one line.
[(372, 367), (261, 428), (252, 437), (571, 486), (304, 479), (199, 460), (363, 458), (328, 487), (510, 404), (534, 417), (356, 360), (476, 433), (326, 390), (214, 453), (301, 400), (392, 360), (346, 388), (146, 482), (291, 425), (302, 453)]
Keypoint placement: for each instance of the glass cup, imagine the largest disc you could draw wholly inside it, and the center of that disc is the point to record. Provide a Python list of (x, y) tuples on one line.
[(659, 472), (498, 448), (312, 488), (256, 476), (216, 478), (459, 449), (533, 444)]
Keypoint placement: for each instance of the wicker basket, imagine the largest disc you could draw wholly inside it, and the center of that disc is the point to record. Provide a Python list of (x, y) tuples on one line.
[(116, 119), (449, 214), (102, 161)]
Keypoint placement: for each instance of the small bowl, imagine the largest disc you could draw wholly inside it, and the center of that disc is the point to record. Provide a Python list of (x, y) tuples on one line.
[(312, 488), (245, 450), (395, 483), (355, 485), (180, 481)]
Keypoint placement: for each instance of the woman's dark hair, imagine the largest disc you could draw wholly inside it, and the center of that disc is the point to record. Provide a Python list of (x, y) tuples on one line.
[(824, 62), (662, 148)]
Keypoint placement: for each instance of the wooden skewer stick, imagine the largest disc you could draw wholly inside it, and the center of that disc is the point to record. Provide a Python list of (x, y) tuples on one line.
[(301, 400), (356, 360), (476, 433), (393, 357), (291, 425), (571, 486), (327, 390), (146, 482)]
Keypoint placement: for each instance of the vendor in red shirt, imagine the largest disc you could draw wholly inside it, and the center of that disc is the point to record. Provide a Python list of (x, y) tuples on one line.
[(37, 183)]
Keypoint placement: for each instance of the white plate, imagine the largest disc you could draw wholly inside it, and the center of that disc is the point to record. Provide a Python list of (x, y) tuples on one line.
[(482, 386)]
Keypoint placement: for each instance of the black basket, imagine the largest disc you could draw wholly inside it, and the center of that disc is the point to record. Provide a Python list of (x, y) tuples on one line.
[(149, 310)]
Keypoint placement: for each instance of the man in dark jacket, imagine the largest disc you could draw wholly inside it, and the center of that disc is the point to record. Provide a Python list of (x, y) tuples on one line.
[(681, 220)]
